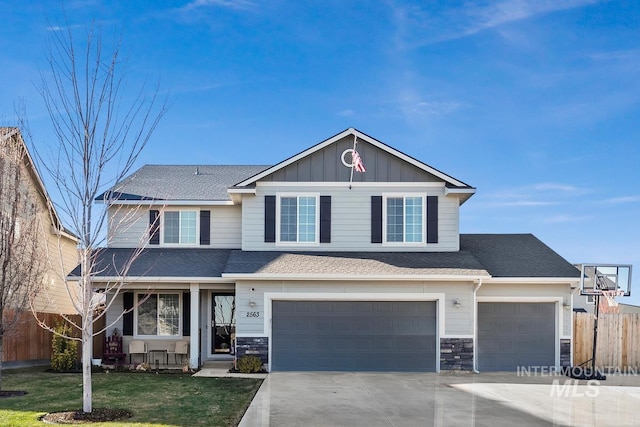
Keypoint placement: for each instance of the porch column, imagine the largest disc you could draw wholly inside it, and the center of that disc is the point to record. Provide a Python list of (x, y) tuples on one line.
[(195, 325)]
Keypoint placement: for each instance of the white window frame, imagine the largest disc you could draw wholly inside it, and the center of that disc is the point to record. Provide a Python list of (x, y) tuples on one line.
[(135, 315), (180, 211), (279, 197), (404, 196)]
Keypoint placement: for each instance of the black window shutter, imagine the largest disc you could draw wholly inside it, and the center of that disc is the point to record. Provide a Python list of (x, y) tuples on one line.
[(432, 219), (154, 227), (376, 219), (269, 219), (325, 219), (127, 319), (205, 227), (186, 314)]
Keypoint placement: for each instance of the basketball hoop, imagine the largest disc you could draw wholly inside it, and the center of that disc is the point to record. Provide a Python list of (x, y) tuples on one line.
[(611, 294)]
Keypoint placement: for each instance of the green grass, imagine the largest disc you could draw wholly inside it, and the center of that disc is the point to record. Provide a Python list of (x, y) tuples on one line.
[(154, 399)]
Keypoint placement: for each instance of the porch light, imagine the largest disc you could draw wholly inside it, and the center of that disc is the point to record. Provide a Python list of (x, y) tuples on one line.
[(457, 303), (252, 303), (566, 304)]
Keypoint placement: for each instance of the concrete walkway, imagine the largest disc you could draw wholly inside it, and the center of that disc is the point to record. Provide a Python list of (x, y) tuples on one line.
[(392, 399), (221, 370)]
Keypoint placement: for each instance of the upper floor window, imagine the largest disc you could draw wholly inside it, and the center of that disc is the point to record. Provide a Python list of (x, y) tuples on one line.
[(158, 314), (404, 219), (180, 227), (298, 219)]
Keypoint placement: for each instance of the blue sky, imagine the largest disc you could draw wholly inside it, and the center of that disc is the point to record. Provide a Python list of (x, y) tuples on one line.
[(536, 103)]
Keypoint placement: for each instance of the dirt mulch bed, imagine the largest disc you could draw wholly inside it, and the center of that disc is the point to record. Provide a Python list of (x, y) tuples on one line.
[(11, 393), (80, 417)]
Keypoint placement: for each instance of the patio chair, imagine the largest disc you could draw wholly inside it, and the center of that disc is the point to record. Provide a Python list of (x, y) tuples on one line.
[(138, 347), (179, 348)]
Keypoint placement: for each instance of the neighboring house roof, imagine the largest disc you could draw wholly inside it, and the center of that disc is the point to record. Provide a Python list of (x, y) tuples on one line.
[(450, 181), (181, 182), (481, 255), (160, 262), (14, 133), (517, 255)]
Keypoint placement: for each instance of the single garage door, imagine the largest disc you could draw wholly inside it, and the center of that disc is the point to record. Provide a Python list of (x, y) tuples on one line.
[(354, 336), (516, 334)]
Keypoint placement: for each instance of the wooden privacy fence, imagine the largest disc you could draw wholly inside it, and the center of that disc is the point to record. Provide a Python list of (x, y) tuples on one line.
[(27, 340), (618, 340)]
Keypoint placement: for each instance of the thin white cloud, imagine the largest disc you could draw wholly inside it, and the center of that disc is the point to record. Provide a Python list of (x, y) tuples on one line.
[(535, 195), (55, 28), (346, 113), (566, 218), (523, 203), (615, 55), (228, 4), (623, 199), (436, 107), (418, 25)]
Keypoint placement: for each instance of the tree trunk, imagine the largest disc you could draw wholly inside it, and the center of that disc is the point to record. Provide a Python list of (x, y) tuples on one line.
[(87, 334), (87, 350)]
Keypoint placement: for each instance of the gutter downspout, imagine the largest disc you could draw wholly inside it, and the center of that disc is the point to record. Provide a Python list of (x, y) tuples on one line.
[(475, 326)]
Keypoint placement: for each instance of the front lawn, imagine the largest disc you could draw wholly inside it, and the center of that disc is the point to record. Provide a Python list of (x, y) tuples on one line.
[(154, 399)]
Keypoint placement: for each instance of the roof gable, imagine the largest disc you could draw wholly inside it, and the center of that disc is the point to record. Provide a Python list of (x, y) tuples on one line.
[(13, 135), (322, 162)]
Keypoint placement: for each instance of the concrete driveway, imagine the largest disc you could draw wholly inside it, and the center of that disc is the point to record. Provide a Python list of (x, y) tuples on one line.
[(399, 399)]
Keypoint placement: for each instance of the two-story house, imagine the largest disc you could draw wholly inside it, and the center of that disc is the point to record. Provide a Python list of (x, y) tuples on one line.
[(51, 258), (315, 266)]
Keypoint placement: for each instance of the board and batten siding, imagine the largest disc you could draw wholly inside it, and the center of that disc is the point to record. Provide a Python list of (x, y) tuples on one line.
[(350, 218), (526, 292), (458, 320), (129, 224), (326, 166)]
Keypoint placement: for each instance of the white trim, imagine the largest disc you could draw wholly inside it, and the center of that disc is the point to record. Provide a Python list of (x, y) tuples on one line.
[(404, 196), (558, 320), (163, 228), (297, 196), (130, 281), (136, 306), (421, 185), (235, 190), (361, 136), (269, 297), (169, 202), (534, 280), (457, 336), (448, 190), (358, 278)]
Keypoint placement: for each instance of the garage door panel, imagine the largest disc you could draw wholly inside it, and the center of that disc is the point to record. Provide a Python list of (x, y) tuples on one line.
[(516, 334), (362, 335)]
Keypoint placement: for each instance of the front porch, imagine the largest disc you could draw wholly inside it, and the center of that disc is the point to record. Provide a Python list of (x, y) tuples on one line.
[(158, 317)]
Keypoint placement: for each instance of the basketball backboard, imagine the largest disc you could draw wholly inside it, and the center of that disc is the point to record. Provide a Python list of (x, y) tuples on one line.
[(595, 278)]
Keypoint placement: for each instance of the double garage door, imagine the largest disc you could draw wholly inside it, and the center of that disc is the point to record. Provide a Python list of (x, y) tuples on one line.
[(354, 335), (514, 334)]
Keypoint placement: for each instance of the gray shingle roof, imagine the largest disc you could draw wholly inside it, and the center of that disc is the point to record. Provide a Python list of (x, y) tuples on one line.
[(516, 255), (498, 255), (161, 262), (183, 182), (354, 264)]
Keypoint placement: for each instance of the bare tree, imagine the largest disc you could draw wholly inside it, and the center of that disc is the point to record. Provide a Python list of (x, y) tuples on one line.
[(101, 127), (22, 248)]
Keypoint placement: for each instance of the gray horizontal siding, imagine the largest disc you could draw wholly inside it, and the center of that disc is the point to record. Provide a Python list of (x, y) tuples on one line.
[(129, 224), (350, 218)]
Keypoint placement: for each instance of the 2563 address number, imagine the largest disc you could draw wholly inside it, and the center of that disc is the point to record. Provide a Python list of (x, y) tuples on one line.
[(253, 314)]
